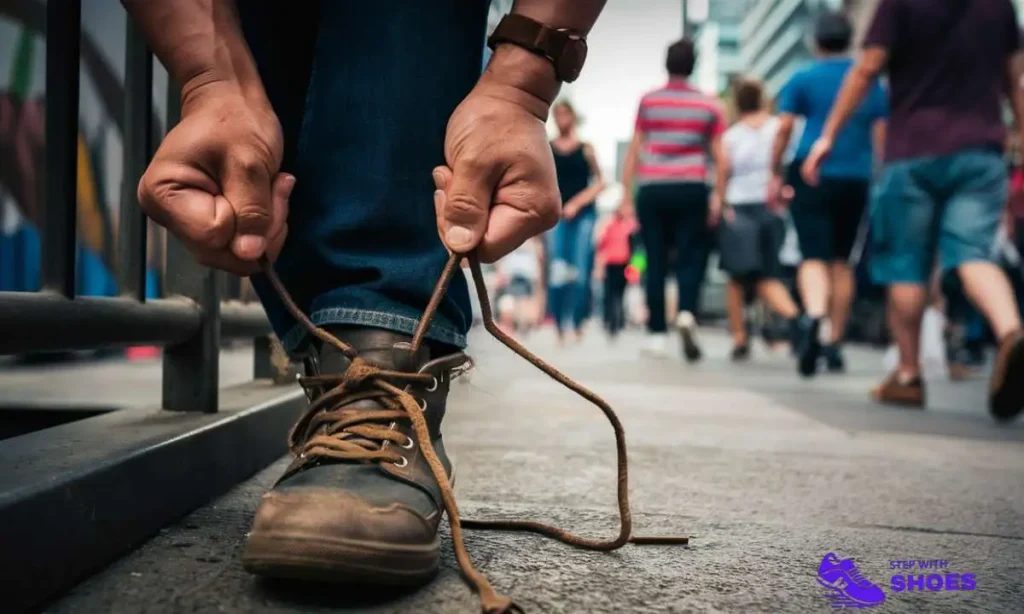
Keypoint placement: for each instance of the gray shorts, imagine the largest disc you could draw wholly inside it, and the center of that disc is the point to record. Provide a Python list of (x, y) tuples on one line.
[(750, 244)]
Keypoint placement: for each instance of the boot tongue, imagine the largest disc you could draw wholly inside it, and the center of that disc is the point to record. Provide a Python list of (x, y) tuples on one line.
[(379, 348)]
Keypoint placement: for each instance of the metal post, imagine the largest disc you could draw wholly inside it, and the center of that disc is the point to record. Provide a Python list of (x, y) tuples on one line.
[(138, 146), (191, 370), (63, 31), (686, 18)]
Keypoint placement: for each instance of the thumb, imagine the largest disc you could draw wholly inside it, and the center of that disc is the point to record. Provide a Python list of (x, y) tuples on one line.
[(462, 207), (247, 186)]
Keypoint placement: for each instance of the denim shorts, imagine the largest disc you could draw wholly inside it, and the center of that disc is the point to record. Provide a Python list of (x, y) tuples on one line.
[(947, 206)]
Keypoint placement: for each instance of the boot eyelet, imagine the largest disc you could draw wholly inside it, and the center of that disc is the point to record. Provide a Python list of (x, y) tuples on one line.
[(433, 385), (405, 461), (409, 444)]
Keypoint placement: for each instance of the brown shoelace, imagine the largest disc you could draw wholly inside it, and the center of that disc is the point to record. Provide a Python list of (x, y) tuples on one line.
[(348, 436)]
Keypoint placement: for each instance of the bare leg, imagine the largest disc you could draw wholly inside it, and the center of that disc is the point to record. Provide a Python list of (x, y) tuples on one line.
[(734, 305), (777, 297), (844, 285), (906, 310), (987, 287), (812, 279)]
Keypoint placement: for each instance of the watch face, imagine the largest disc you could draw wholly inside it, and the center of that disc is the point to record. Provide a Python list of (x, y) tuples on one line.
[(570, 64)]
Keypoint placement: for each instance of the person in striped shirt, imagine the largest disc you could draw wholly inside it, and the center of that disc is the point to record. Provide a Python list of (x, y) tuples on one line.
[(677, 138)]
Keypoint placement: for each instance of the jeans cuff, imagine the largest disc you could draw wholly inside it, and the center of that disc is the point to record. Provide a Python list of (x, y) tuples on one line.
[(440, 330)]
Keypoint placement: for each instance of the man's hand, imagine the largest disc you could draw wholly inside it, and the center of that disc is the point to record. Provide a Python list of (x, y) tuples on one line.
[(214, 181), (812, 165), (498, 188)]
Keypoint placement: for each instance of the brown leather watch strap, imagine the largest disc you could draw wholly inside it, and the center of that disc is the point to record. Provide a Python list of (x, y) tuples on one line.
[(567, 50)]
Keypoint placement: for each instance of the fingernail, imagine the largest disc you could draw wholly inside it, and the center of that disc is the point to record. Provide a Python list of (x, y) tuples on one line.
[(458, 236), (438, 198), (290, 185), (438, 179), (250, 246)]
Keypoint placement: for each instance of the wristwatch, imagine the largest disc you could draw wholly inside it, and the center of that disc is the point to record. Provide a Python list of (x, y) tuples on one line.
[(566, 49)]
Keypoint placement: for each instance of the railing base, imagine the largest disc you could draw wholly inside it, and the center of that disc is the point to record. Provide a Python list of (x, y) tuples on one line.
[(75, 497)]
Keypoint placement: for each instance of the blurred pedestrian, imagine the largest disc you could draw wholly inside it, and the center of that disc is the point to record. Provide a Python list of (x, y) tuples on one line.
[(572, 249), (518, 291), (751, 232), (945, 184), (678, 130), (828, 215), (614, 252)]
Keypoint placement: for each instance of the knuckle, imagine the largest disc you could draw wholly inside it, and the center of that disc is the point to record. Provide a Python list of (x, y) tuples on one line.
[(462, 208), (549, 212), (249, 164), (474, 162)]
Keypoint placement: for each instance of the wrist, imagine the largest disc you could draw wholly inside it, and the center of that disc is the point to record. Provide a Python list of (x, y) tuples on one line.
[(523, 77), (205, 88)]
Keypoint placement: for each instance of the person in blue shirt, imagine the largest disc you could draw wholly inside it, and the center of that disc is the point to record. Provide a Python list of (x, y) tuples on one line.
[(827, 216)]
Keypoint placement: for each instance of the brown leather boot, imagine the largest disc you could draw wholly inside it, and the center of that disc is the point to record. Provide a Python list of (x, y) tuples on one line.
[(359, 503), (894, 391), (1006, 390)]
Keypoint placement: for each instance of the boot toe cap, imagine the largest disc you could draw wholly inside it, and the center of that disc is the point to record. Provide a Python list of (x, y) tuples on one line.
[(326, 534)]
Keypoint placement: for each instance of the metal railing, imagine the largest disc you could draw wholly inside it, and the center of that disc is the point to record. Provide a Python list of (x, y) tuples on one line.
[(77, 495), (191, 320)]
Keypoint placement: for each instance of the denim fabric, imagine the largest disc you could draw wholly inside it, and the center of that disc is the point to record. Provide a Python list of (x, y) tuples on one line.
[(952, 204), (362, 139), (674, 214), (572, 250)]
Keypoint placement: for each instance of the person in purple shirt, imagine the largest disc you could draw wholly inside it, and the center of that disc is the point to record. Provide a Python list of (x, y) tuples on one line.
[(944, 186)]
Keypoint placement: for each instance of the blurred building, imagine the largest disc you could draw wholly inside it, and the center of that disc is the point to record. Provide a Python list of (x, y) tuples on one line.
[(774, 38), (717, 36)]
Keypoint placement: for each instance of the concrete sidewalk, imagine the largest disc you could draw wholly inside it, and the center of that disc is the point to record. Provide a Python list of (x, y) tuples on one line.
[(767, 472)]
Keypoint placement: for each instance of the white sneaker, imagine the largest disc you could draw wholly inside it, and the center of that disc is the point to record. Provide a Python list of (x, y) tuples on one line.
[(687, 325), (656, 345)]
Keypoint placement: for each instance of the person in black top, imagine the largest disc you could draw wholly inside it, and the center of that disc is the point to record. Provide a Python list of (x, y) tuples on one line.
[(572, 251)]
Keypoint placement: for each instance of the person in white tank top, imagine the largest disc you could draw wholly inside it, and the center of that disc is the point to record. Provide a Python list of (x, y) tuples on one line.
[(752, 232)]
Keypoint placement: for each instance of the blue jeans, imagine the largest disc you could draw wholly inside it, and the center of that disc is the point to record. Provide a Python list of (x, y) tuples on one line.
[(363, 91), (572, 248), (949, 204)]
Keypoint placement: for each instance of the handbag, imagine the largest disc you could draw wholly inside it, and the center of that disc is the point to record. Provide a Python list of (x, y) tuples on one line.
[(739, 246)]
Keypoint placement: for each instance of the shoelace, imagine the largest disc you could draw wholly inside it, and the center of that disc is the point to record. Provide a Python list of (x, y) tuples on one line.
[(350, 439), (857, 577)]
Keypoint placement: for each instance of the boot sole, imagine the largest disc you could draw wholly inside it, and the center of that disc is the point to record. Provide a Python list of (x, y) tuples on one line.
[(312, 557), (1007, 397)]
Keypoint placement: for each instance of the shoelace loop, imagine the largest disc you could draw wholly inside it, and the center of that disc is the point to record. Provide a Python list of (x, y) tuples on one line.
[(353, 438)]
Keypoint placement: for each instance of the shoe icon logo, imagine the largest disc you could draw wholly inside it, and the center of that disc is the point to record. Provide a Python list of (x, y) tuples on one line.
[(846, 586)]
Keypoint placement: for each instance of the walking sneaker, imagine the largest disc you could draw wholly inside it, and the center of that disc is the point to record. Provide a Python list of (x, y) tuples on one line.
[(740, 353), (848, 588), (1006, 390), (655, 346), (687, 325), (808, 345), (895, 390), (834, 360), (359, 501)]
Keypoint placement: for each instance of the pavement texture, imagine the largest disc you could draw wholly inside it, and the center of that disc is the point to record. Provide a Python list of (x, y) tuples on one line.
[(766, 471)]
